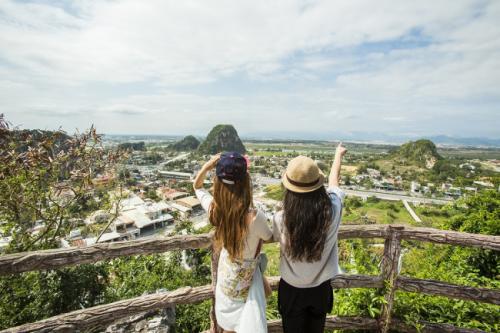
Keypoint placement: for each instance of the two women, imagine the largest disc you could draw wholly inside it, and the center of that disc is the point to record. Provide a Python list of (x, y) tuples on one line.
[(306, 229)]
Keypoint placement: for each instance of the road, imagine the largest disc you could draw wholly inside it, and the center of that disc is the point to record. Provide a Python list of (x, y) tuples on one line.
[(393, 196), (412, 212), (177, 158), (397, 197)]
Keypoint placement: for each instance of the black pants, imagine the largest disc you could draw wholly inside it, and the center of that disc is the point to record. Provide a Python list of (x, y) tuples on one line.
[(303, 310)]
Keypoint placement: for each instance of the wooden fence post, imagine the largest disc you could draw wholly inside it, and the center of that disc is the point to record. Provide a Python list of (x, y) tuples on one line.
[(214, 328), (389, 274)]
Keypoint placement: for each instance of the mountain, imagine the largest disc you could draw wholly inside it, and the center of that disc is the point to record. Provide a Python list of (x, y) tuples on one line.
[(132, 146), (421, 152), (188, 143), (222, 138)]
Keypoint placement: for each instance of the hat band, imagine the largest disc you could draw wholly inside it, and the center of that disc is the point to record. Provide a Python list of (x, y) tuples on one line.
[(299, 184), (226, 181)]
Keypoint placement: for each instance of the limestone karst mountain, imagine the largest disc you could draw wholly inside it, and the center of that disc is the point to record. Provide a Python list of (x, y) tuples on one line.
[(422, 153), (222, 138), (187, 143)]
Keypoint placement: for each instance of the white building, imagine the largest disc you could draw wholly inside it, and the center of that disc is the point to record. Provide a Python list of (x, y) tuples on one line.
[(147, 217), (183, 211), (415, 187), (138, 216)]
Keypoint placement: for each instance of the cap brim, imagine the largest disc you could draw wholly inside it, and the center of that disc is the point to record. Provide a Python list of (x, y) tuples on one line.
[(299, 189)]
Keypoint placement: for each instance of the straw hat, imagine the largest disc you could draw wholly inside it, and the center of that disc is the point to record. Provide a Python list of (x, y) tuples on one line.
[(303, 175)]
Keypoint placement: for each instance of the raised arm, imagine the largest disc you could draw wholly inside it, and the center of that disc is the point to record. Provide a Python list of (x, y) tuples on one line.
[(200, 177), (334, 177)]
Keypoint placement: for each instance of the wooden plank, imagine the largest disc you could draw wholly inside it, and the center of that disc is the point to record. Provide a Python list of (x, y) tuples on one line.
[(102, 315), (451, 237), (438, 288), (389, 274), (361, 323), (343, 281), (400, 326), (214, 261), (363, 231), (56, 258), (333, 322)]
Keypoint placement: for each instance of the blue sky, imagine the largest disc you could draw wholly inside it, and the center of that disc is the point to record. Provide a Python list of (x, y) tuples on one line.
[(401, 68)]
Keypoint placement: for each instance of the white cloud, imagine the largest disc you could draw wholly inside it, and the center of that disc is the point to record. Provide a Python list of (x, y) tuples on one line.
[(288, 62)]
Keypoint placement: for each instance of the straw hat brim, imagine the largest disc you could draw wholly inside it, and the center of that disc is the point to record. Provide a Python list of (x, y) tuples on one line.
[(300, 189)]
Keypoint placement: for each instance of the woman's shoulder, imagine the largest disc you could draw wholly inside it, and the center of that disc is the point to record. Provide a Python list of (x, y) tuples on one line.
[(257, 219), (256, 215)]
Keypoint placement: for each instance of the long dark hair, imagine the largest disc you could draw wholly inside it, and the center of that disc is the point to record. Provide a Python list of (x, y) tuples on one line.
[(307, 218), (228, 212)]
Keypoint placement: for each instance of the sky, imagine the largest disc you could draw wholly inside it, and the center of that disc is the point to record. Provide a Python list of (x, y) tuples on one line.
[(270, 68)]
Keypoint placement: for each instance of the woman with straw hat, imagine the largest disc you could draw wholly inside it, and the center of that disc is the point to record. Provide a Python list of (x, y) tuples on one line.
[(240, 303), (307, 229)]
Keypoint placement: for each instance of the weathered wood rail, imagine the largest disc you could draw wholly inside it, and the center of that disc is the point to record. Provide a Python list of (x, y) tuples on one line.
[(389, 279)]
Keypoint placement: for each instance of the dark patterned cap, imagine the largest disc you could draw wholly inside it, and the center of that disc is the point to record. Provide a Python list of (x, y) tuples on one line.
[(232, 166)]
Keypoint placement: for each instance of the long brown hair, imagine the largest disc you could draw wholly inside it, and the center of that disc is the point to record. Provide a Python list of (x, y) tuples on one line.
[(228, 214), (307, 218)]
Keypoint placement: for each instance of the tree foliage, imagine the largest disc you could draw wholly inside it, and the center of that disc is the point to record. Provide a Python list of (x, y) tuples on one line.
[(45, 180), (46, 186)]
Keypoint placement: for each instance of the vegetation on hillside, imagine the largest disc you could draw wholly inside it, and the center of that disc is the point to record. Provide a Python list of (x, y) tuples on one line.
[(275, 192), (422, 153), (222, 138), (32, 181), (187, 143), (130, 146), (46, 188)]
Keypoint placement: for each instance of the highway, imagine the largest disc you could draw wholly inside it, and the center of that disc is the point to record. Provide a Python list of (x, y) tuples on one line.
[(395, 196)]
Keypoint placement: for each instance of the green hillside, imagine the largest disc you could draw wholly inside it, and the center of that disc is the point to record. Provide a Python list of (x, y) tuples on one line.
[(188, 143), (222, 138), (422, 153)]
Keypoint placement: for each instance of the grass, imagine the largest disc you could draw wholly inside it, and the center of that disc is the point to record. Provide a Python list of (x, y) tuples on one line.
[(271, 153), (381, 212), (274, 192), (388, 164), (273, 255), (432, 216), (319, 147)]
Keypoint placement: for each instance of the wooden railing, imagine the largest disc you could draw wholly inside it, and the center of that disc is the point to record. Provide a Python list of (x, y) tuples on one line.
[(389, 279)]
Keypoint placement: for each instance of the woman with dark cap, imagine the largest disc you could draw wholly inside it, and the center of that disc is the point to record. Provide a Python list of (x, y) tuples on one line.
[(240, 303), (307, 229)]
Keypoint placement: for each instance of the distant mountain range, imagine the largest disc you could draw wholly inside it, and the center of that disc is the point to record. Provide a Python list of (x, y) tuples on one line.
[(446, 140), (375, 138), (440, 140)]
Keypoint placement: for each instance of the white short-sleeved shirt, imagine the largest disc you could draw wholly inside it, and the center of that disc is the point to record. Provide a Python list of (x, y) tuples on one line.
[(302, 274), (257, 230)]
